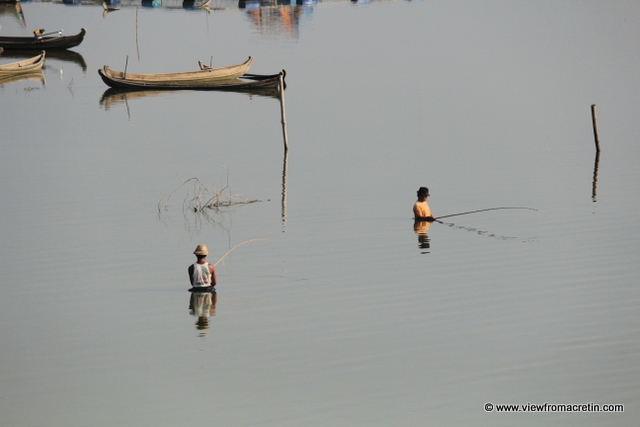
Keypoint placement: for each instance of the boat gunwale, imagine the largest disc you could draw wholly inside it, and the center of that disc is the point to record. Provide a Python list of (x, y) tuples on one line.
[(24, 66)]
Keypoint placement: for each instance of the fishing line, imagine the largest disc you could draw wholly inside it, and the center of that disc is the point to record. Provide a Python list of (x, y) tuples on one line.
[(479, 232)]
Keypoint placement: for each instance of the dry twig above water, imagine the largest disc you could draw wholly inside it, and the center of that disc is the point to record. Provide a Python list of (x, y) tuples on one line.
[(201, 198), (198, 198)]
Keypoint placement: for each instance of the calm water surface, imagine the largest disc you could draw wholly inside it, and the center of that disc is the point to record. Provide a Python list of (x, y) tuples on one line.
[(343, 315)]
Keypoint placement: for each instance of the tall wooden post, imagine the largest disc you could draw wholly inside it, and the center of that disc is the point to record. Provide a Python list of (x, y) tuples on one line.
[(594, 120), (283, 115)]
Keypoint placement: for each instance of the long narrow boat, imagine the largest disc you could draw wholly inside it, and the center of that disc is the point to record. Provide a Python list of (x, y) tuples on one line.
[(247, 82), (25, 66), (187, 78), (43, 42)]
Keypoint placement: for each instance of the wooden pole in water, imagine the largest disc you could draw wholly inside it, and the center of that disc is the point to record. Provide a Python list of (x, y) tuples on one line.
[(594, 120), (283, 117), (284, 186)]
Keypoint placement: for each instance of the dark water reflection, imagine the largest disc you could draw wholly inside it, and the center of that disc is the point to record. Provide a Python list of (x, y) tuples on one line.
[(114, 96)]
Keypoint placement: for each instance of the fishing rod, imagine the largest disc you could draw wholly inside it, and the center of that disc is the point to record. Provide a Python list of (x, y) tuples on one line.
[(229, 251), (482, 210)]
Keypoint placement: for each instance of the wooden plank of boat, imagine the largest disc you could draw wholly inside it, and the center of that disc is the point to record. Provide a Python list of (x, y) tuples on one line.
[(39, 42), (25, 66), (198, 77), (245, 82)]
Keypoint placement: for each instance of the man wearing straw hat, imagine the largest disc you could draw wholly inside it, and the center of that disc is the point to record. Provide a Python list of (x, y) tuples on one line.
[(201, 273)]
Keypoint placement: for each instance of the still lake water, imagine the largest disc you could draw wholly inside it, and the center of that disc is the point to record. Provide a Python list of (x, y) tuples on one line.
[(344, 316)]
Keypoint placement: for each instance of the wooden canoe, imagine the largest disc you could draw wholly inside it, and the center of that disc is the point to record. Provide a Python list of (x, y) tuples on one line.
[(210, 76), (247, 82), (42, 42), (22, 67)]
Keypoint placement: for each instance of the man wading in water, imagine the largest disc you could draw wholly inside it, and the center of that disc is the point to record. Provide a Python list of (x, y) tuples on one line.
[(423, 219), (201, 273), (421, 211)]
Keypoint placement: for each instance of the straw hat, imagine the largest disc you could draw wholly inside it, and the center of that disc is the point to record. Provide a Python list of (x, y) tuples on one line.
[(201, 250)]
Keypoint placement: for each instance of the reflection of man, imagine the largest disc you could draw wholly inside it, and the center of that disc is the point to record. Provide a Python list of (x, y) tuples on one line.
[(421, 228), (202, 305), (201, 273)]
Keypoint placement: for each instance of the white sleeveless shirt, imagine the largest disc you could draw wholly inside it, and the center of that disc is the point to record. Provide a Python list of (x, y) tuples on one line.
[(201, 275)]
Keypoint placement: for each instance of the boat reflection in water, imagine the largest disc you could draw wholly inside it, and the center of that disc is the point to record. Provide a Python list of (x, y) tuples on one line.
[(202, 305), (68, 56), (36, 76), (53, 55), (113, 96), (421, 228)]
